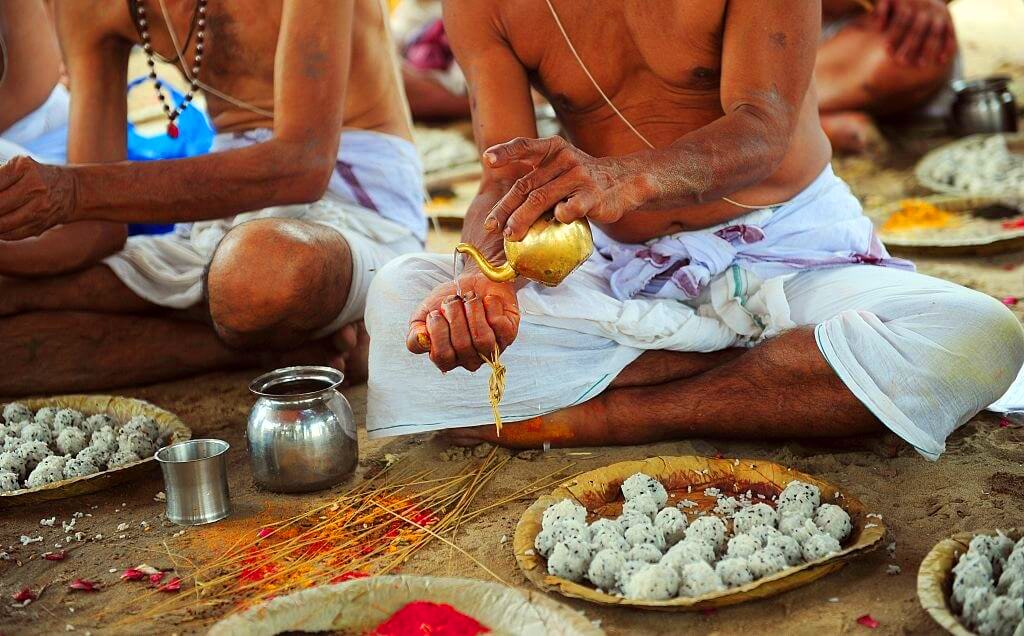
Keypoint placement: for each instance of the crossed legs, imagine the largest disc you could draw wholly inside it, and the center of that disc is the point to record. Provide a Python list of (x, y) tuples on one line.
[(272, 284)]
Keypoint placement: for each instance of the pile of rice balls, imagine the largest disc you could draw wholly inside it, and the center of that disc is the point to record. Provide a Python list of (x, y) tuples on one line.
[(55, 444), (654, 552), (988, 586)]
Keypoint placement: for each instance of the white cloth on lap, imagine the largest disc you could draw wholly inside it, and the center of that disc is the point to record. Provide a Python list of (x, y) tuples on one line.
[(43, 133), (378, 210)]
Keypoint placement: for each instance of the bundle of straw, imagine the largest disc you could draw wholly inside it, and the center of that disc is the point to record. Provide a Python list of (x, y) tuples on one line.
[(373, 529)]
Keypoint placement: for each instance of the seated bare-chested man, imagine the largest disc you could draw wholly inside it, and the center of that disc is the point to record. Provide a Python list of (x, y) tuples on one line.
[(895, 61), (314, 184), (695, 317)]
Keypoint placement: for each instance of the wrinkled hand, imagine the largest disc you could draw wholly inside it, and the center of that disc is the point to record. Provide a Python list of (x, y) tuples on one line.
[(563, 177), (457, 331), (34, 197), (919, 32)]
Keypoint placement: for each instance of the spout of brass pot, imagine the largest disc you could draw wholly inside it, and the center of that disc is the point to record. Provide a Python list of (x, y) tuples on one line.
[(501, 274)]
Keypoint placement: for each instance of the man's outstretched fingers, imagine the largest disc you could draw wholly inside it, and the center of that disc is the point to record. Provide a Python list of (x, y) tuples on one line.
[(442, 354), (521, 191), (537, 203), (459, 334), (483, 336), (531, 151)]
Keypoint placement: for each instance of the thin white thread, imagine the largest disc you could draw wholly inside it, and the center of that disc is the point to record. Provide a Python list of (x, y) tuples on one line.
[(608, 101), (206, 87)]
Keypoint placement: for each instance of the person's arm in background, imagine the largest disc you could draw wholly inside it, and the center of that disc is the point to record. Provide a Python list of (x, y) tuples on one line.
[(767, 63), (294, 166), (918, 32), (456, 331), (96, 135)]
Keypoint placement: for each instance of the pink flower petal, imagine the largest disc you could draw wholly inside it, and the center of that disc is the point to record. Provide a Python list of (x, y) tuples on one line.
[(172, 586), (59, 555), (156, 577), (264, 533), (25, 596), (84, 586), (868, 621), (1010, 301), (132, 574)]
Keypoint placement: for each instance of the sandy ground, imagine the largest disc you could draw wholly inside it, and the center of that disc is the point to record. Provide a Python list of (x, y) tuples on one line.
[(978, 483)]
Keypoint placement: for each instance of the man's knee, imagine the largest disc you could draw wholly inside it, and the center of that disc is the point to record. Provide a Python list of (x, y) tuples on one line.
[(997, 337), (273, 282)]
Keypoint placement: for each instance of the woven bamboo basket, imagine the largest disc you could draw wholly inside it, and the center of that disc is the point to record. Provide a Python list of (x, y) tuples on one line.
[(121, 409), (935, 578), (598, 491), (358, 606)]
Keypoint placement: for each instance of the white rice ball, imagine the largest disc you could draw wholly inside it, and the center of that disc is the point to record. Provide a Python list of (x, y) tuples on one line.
[(1011, 574), (17, 412), (799, 497), (762, 533), (820, 546), (571, 530), (569, 560), (788, 546), (94, 423), (996, 549), (765, 562), (70, 441), (145, 425), (1016, 590), (67, 417), (13, 463), (37, 433), (710, 529), (607, 525), (641, 484), (13, 429), (628, 521), (122, 458), (604, 568), (641, 505), (801, 532), (78, 467), (645, 552), (760, 514), (104, 437), (1016, 558), (608, 540), (564, 510), (629, 568), (699, 579), (45, 415), (94, 456), (641, 535), (689, 551), (734, 571), (136, 443), (49, 470), (652, 583), (545, 542), (33, 453), (672, 524), (726, 506), (10, 444), (742, 546), (1000, 617), (8, 481), (833, 520), (976, 600)]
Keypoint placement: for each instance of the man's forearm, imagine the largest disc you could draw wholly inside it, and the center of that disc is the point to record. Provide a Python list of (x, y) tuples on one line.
[(199, 188), (735, 151)]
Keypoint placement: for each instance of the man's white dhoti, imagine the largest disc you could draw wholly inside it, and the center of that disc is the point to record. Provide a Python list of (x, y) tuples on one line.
[(923, 354), (374, 200), (43, 133)]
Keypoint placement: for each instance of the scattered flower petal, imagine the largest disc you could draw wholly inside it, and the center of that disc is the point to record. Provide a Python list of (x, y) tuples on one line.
[(264, 533), (83, 585), (156, 577), (1010, 301), (132, 574), (25, 596), (868, 621), (171, 586), (59, 555)]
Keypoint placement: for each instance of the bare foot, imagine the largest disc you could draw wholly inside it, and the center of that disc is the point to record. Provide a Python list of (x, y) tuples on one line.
[(853, 132), (352, 349), (580, 425)]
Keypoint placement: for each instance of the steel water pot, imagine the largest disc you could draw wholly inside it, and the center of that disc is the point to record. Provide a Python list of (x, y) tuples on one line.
[(302, 434)]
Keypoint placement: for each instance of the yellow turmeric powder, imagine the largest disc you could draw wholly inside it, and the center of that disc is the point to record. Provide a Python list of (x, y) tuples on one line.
[(915, 214)]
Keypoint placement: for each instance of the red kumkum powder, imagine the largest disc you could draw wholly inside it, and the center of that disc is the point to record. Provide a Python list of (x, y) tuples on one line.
[(433, 619)]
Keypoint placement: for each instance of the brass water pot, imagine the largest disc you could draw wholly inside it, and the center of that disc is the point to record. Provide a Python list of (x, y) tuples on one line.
[(549, 252)]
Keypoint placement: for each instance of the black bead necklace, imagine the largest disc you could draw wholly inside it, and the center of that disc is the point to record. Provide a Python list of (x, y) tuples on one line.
[(199, 24)]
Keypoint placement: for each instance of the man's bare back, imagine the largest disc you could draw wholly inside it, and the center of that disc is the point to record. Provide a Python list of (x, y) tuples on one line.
[(240, 52), (33, 59), (664, 76)]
